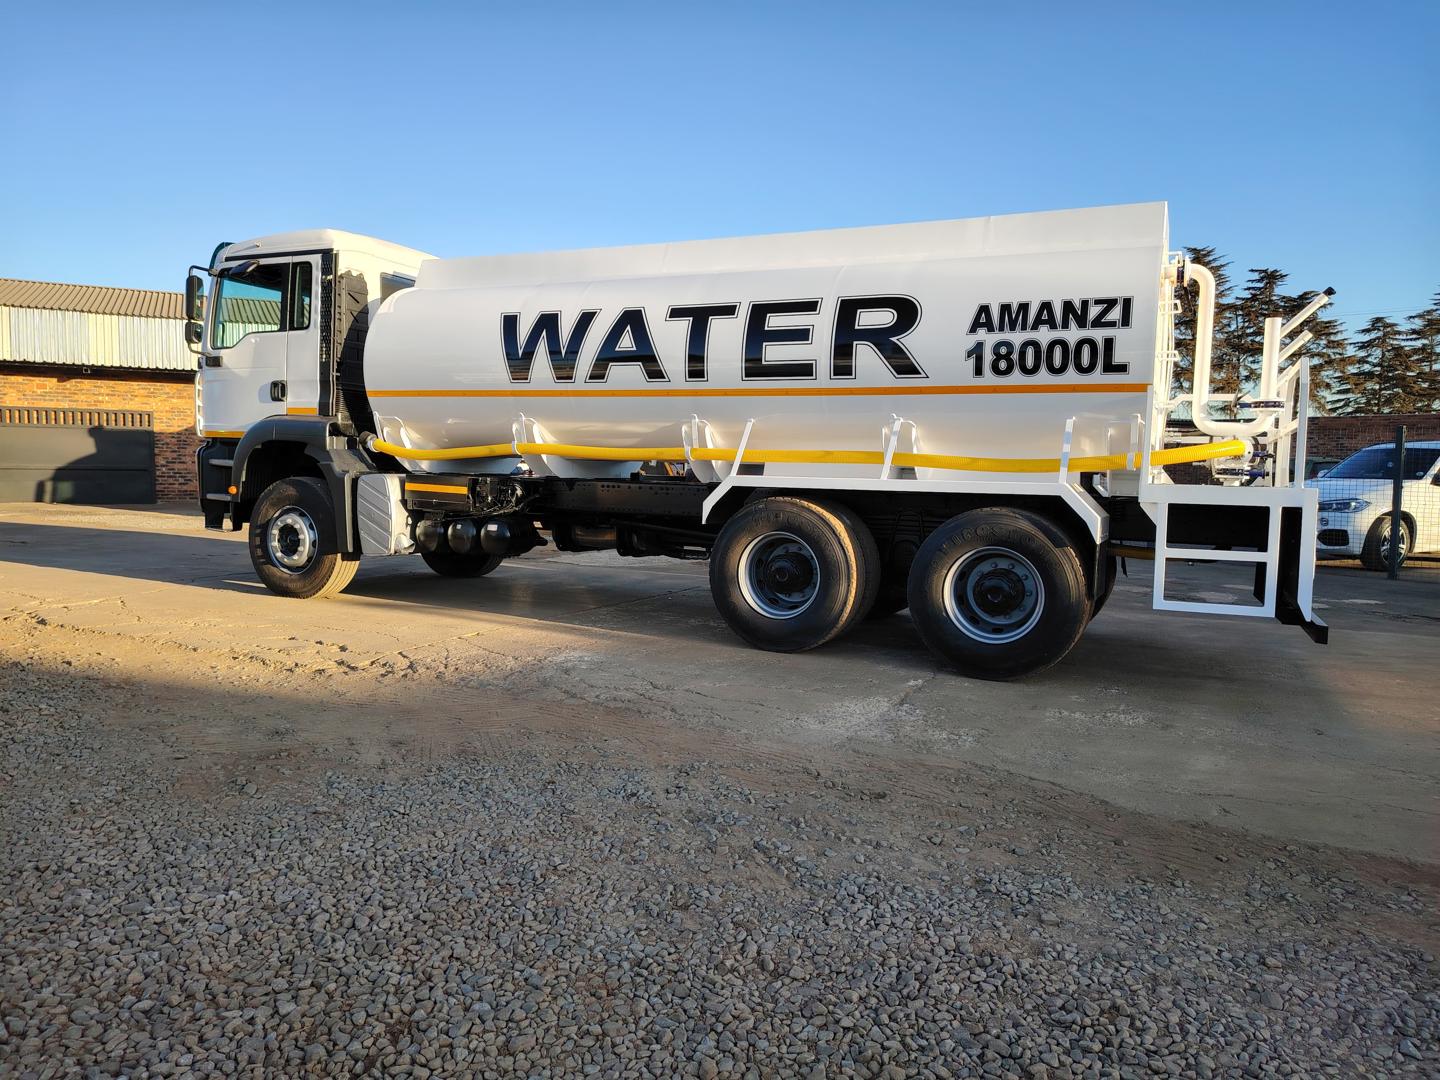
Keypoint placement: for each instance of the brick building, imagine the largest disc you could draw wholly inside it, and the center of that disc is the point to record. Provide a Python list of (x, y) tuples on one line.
[(97, 399), (1334, 438)]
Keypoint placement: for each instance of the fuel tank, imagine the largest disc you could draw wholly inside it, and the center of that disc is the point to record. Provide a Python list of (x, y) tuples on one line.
[(985, 335)]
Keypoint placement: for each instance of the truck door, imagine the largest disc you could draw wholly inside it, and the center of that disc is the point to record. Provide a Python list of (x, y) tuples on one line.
[(243, 368), (303, 378)]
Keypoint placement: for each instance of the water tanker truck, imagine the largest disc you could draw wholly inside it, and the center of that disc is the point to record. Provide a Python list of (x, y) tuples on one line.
[(969, 418)]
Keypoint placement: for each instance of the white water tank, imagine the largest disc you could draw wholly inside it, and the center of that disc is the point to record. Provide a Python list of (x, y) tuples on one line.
[(987, 333)]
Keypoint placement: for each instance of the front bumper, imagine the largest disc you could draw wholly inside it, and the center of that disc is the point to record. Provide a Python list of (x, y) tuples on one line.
[(1341, 536)]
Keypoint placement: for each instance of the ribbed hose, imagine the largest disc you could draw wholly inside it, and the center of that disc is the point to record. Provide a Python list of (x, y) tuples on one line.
[(1103, 463)]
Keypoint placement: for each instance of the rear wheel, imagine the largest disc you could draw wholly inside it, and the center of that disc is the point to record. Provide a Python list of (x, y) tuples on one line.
[(1375, 554), (788, 574), (292, 537), (452, 564), (994, 597)]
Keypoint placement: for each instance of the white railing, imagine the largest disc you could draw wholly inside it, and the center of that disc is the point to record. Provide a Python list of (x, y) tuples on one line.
[(1279, 404)]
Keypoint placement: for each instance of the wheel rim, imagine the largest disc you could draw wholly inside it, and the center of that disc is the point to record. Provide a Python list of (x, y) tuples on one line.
[(994, 595), (290, 540), (779, 575), (1387, 542)]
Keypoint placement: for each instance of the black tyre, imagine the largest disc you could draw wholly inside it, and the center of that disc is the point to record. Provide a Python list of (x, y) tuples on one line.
[(994, 597), (868, 557), (788, 574), (1375, 553), (1111, 569), (292, 541), (453, 564)]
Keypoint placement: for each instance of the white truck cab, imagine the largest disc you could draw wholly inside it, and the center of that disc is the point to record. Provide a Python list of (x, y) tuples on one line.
[(272, 333)]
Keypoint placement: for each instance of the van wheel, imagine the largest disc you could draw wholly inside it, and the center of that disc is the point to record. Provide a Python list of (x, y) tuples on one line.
[(788, 574), (452, 564), (292, 537), (994, 597), (1375, 554)]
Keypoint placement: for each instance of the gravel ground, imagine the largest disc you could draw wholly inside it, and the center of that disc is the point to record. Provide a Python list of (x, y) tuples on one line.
[(557, 904)]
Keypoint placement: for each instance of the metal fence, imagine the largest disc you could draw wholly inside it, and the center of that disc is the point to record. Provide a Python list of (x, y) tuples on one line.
[(1380, 508)]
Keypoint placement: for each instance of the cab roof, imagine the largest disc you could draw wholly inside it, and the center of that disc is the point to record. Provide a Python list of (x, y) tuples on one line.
[(318, 240)]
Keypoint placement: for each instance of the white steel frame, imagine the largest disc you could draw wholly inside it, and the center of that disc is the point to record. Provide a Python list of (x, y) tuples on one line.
[(1279, 430)]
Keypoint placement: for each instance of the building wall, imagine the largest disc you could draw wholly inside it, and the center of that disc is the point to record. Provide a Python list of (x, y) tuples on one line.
[(169, 395), (1332, 438)]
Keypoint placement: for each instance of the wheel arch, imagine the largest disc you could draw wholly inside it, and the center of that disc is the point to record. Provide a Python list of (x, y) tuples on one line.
[(284, 446), (1409, 519)]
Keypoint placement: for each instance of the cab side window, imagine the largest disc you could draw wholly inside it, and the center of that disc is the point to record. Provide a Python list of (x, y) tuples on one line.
[(302, 275)]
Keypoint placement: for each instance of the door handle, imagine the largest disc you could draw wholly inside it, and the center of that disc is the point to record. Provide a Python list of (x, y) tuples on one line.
[(277, 390)]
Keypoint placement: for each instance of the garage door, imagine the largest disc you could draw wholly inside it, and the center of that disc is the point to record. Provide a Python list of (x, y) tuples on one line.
[(76, 455)]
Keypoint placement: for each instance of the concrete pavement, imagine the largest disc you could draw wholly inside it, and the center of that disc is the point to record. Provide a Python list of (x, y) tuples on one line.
[(1240, 722)]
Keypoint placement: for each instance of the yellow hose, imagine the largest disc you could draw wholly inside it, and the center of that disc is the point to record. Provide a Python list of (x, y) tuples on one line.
[(1103, 463), (455, 453)]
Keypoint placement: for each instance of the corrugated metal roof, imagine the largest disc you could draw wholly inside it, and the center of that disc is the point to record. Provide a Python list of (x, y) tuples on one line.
[(91, 299), (46, 336)]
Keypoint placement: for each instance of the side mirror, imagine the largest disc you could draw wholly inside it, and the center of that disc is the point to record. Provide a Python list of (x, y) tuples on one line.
[(194, 298), (192, 333)]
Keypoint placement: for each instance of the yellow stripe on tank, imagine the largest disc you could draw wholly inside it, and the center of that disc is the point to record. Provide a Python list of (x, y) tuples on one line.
[(917, 390)]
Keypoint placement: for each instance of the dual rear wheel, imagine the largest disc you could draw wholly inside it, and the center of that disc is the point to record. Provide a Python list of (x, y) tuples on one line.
[(995, 593)]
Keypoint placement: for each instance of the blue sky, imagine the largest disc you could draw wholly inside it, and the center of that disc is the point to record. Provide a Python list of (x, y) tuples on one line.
[(1303, 136)]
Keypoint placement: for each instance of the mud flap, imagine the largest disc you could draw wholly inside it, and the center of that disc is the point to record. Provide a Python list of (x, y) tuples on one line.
[(1287, 603)]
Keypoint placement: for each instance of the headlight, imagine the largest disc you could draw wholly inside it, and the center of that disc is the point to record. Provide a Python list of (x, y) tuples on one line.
[(1343, 506)]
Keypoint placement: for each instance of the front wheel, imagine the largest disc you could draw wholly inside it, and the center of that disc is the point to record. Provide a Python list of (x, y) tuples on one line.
[(1376, 555), (994, 597), (292, 541)]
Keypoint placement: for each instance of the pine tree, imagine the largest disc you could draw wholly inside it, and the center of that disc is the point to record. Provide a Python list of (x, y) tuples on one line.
[(1422, 336), (1329, 357), (1383, 378)]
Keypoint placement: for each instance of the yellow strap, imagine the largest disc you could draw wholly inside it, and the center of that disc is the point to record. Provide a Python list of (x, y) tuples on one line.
[(1103, 463)]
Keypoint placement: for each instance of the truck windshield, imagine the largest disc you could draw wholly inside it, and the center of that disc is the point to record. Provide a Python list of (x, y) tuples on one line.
[(1378, 463), (248, 304)]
